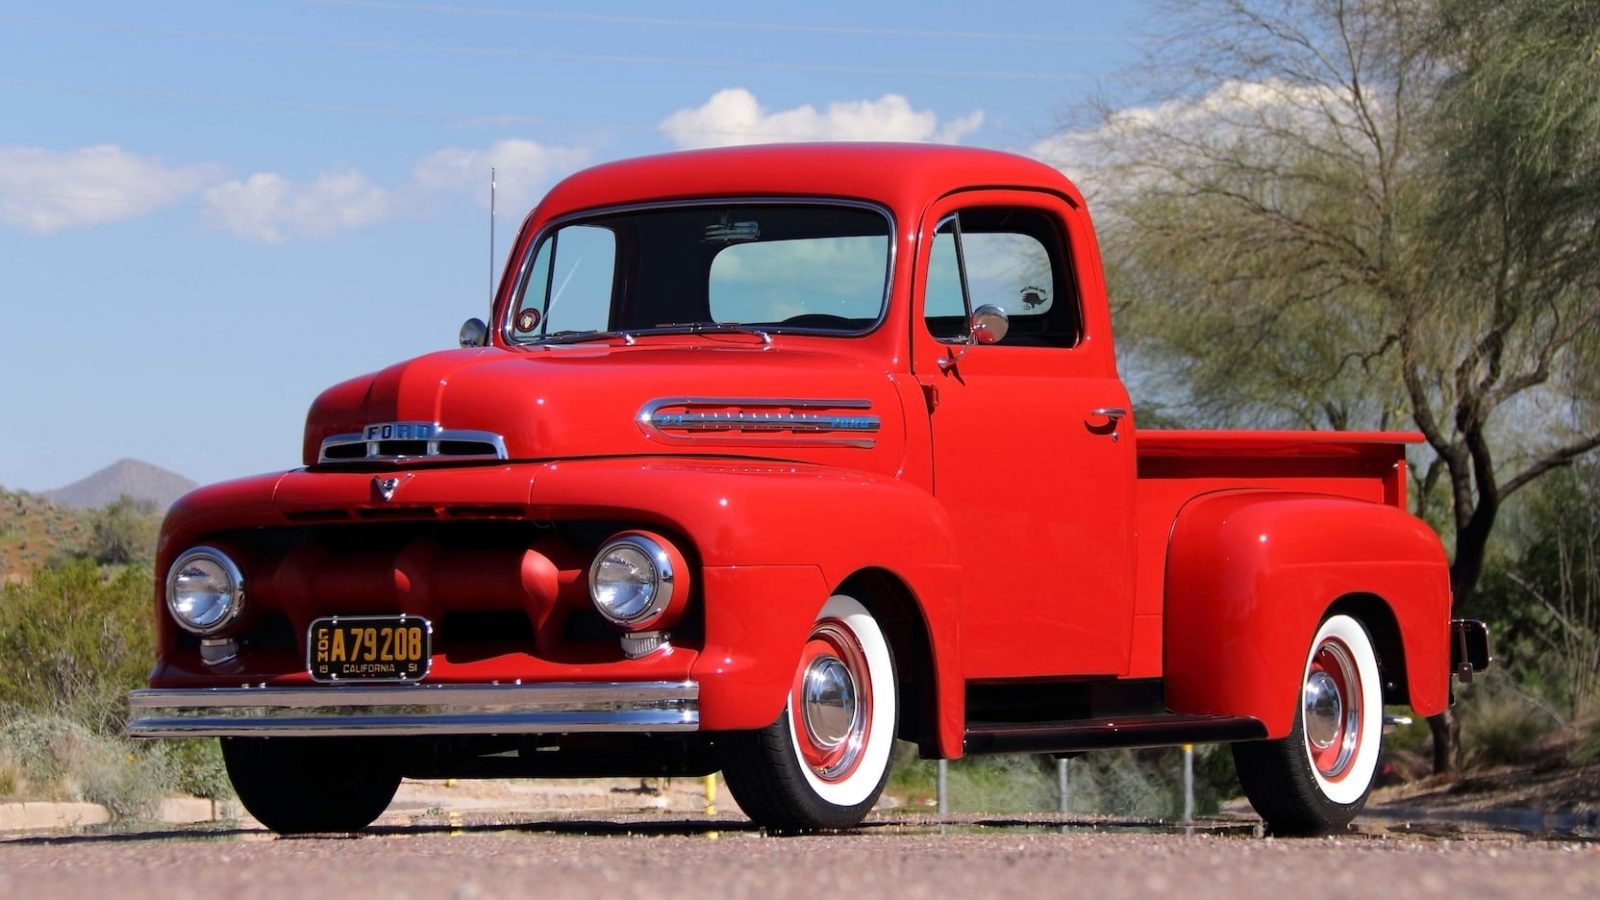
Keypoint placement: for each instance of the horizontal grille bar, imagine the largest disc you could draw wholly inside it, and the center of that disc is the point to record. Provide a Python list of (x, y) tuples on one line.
[(411, 441)]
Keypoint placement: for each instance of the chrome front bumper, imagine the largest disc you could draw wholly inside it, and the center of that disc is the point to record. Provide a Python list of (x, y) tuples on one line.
[(414, 709)]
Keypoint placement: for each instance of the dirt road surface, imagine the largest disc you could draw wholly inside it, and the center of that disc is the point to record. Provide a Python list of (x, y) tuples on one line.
[(675, 856)]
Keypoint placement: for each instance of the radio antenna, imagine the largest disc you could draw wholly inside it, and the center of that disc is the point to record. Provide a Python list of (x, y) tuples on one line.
[(491, 236)]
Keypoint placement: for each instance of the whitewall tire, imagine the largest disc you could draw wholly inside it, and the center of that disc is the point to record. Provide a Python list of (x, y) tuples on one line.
[(824, 762), (1317, 779)]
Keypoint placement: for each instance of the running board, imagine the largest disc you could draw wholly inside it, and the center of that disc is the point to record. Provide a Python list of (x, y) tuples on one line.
[(1109, 733)]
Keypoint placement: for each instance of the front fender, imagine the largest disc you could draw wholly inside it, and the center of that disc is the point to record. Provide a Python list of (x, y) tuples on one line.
[(776, 540), (1251, 574)]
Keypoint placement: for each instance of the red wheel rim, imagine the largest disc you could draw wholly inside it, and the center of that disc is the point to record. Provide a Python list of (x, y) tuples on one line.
[(830, 702), (1331, 709)]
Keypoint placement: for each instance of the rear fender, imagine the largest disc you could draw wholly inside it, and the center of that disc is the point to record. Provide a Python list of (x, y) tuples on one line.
[(1251, 574)]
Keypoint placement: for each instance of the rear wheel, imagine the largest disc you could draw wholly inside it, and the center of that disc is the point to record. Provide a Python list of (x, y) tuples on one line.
[(824, 762), (1317, 779), (306, 785)]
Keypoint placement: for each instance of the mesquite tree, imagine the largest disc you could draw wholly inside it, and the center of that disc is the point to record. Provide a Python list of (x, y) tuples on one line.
[(1368, 213)]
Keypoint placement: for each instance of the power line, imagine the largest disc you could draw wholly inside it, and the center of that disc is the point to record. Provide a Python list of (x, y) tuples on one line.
[(233, 100), (724, 24), (454, 116), (559, 56)]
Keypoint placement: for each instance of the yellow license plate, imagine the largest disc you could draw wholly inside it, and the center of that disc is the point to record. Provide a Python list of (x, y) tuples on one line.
[(369, 648)]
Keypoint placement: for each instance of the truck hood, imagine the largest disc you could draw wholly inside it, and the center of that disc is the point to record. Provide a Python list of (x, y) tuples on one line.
[(580, 401)]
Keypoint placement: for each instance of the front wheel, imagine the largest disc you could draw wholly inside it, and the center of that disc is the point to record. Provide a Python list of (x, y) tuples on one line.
[(306, 785), (824, 762), (1317, 779)]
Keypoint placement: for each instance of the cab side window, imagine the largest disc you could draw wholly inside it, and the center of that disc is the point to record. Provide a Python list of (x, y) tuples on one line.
[(1012, 258)]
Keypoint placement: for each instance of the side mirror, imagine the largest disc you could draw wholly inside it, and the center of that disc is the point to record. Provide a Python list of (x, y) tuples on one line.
[(474, 333), (989, 324)]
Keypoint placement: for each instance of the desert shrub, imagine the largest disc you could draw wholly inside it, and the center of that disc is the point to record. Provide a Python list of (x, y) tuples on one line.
[(76, 642), (1143, 783), (194, 767), (977, 784), (1588, 749), (1499, 724), (56, 757), (124, 532)]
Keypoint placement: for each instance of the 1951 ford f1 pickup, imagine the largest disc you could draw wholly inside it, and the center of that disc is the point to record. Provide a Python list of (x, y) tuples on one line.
[(764, 458)]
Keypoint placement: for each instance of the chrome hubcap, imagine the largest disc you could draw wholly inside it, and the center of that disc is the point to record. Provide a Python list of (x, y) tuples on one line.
[(829, 705), (1322, 710)]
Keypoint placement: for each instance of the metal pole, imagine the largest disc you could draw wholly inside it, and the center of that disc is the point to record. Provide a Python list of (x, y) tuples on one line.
[(491, 235), (944, 795), (1061, 785), (1188, 782)]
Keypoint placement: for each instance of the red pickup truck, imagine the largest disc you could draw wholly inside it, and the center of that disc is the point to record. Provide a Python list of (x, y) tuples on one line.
[(765, 458)]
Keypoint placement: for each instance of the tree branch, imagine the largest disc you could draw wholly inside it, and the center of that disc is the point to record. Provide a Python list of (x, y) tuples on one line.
[(1555, 460)]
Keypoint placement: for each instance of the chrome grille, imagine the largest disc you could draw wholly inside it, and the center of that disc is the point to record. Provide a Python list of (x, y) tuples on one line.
[(411, 442)]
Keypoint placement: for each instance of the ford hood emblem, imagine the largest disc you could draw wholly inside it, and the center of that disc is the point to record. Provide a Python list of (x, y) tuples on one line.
[(385, 487)]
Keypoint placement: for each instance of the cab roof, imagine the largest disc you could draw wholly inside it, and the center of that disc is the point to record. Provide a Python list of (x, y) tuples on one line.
[(900, 176)]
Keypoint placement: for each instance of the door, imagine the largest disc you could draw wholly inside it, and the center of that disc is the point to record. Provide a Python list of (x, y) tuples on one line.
[(1033, 450)]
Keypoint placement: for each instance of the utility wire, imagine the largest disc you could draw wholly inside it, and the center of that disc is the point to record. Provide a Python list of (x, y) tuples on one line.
[(724, 24), (560, 56), (454, 116)]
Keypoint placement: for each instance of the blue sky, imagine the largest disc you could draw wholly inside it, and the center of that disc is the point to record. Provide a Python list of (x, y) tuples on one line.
[(210, 211)]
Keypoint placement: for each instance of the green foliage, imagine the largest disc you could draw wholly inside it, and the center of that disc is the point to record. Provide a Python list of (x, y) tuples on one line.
[(194, 767), (75, 642), (1380, 215), (987, 784), (56, 757), (124, 532), (1543, 599), (1371, 214), (1142, 783)]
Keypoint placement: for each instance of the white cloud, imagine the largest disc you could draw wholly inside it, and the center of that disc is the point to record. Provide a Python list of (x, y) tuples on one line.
[(46, 191), (523, 170), (1260, 111), (268, 207), (734, 116)]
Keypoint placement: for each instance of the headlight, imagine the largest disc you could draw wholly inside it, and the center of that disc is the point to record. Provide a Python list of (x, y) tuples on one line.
[(634, 579), (205, 590)]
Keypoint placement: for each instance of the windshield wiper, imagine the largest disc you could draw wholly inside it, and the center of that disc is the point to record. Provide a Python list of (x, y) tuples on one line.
[(575, 336), (715, 328)]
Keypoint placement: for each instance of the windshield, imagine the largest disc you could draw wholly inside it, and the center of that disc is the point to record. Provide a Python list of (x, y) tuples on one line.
[(766, 267)]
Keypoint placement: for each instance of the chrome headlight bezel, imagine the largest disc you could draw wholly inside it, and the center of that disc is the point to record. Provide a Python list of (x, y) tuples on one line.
[(663, 579), (234, 593)]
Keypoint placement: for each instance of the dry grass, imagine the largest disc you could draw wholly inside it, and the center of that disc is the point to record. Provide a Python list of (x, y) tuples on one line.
[(34, 532)]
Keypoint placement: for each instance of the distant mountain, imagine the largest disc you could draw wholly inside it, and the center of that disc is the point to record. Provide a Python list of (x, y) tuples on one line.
[(139, 480)]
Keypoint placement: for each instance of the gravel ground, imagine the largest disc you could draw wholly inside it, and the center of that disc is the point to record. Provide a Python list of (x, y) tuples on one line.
[(670, 856)]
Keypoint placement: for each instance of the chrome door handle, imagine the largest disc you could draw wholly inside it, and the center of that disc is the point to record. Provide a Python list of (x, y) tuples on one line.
[(1111, 412)]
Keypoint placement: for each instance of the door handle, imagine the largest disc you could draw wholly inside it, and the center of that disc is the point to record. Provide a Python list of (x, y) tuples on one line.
[(1115, 415)]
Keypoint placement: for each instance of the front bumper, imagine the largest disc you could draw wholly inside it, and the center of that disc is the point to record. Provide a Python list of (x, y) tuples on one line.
[(415, 709)]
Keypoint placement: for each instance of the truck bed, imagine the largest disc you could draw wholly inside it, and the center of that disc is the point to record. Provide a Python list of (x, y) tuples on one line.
[(1177, 466)]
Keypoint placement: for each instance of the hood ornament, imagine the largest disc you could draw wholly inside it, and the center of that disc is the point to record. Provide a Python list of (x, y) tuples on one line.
[(385, 487)]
